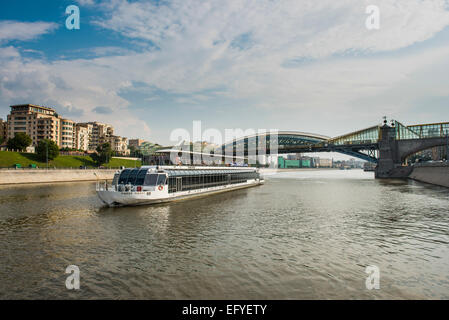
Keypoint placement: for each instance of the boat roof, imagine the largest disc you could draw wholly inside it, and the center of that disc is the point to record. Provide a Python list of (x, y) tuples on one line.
[(177, 173), (197, 168), (192, 170), (209, 155)]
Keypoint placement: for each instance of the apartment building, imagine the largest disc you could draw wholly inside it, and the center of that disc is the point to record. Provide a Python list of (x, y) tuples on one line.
[(3, 129), (67, 136), (44, 123), (118, 144), (136, 143), (97, 132), (82, 136), (36, 121)]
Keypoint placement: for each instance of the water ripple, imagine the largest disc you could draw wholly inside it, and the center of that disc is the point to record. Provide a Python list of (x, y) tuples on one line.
[(303, 235)]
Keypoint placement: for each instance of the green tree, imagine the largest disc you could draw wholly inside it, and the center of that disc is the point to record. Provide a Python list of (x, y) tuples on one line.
[(20, 141), (103, 155), (53, 150), (132, 150), (2, 139)]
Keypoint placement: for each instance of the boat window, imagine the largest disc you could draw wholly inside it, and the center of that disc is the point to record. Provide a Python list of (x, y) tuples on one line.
[(115, 180), (141, 177), (161, 179), (124, 176), (132, 176), (150, 179)]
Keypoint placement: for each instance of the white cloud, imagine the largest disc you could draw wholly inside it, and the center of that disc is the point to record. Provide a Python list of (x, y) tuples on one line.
[(86, 2), (243, 48), (200, 49), (286, 28), (72, 85), (14, 30)]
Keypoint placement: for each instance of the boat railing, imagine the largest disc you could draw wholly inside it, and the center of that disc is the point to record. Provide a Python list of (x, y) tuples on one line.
[(102, 186)]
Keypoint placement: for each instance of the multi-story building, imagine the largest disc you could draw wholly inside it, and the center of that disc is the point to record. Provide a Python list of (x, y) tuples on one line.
[(82, 136), (67, 135), (97, 133), (118, 144), (3, 129), (44, 123), (136, 143), (36, 121)]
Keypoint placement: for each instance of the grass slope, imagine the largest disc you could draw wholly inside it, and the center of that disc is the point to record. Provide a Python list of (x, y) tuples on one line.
[(8, 159)]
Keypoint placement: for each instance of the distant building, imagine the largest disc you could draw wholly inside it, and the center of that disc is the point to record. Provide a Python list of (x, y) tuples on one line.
[(44, 123), (82, 137), (3, 128), (98, 132), (136, 143), (325, 163), (303, 162), (118, 144), (439, 153), (67, 137), (148, 148), (37, 122)]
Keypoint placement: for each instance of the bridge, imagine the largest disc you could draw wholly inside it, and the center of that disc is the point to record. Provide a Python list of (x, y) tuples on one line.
[(387, 145)]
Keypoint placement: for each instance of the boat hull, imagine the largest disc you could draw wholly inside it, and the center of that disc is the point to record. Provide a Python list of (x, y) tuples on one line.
[(116, 198)]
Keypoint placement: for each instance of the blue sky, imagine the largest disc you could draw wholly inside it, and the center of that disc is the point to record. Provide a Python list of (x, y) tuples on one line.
[(149, 67)]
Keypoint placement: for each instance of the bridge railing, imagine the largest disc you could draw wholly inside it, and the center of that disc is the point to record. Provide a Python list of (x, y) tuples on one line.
[(433, 130), (366, 136)]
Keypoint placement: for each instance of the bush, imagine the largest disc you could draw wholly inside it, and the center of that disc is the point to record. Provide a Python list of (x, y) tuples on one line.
[(53, 150)]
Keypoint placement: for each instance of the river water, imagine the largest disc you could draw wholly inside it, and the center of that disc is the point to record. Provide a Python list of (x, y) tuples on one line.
[(302, 235)]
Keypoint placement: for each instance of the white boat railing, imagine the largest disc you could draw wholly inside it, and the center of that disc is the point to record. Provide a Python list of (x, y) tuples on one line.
[(102, 186)]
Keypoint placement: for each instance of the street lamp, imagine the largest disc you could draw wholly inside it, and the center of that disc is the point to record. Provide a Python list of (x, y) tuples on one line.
[(46, 147)]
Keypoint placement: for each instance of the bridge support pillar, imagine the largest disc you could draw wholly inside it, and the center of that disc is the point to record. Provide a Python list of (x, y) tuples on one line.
[(389, 164)]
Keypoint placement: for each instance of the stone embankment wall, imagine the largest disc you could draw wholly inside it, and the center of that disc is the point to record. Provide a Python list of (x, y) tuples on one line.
[(23, 176), (437, 174)]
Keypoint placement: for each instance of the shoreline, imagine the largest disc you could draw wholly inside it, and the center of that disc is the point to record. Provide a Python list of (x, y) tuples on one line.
[(43, 176), (437, 174), (50, 176)]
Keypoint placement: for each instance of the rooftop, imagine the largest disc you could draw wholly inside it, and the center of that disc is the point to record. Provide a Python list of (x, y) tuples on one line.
[(32, 105)]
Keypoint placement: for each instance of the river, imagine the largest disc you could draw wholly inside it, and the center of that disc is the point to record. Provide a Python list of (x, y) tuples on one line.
[(302, 235)]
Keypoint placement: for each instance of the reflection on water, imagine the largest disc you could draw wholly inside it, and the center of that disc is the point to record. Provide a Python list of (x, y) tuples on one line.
[(303, 235)]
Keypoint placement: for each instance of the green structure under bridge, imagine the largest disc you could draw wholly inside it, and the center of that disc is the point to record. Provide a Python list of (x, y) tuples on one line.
[(299, 163), (387, 145)]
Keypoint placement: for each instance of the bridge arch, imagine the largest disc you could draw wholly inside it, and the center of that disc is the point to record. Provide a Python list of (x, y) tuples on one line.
[(407, 148), (291, 142)]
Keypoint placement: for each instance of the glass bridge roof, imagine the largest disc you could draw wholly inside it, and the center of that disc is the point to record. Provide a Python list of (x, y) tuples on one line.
[(281, 139)]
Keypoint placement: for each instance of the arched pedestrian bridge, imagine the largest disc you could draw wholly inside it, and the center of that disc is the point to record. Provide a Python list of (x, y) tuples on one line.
[(392, 143), (387, 145)]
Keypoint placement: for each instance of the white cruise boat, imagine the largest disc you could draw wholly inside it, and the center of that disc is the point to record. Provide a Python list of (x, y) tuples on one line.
[(156, 184)]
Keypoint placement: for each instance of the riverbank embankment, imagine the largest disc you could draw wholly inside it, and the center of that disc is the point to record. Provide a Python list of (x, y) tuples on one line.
[(433, 173), (30, 176)]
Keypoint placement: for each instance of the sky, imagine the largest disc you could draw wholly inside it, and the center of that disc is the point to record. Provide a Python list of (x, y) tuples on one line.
[(149, 67)]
